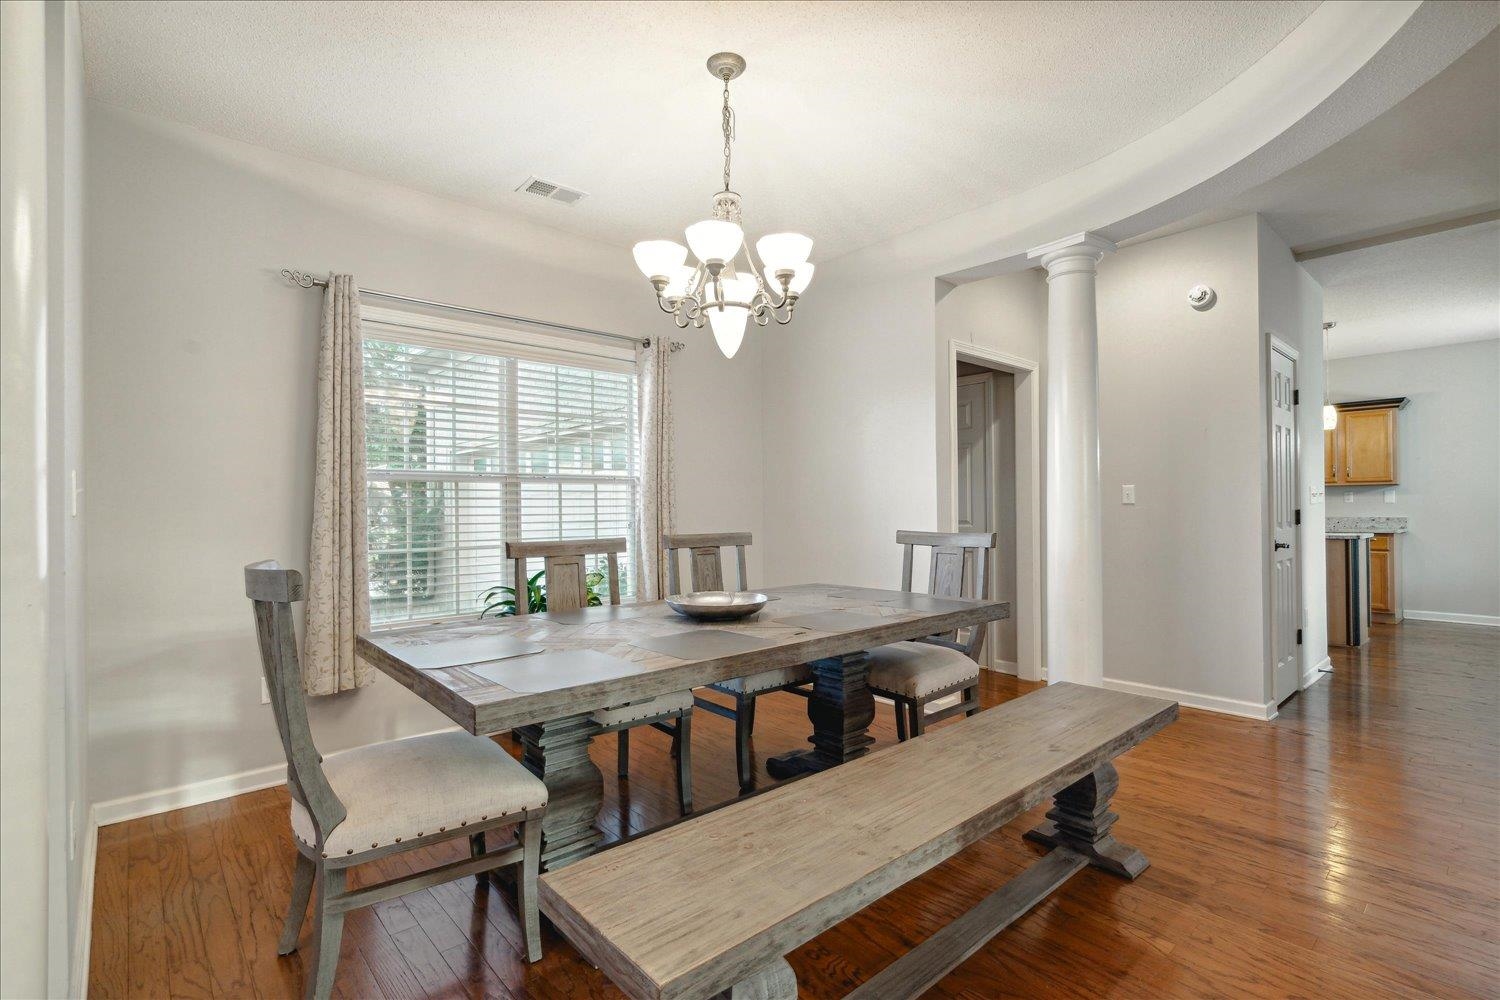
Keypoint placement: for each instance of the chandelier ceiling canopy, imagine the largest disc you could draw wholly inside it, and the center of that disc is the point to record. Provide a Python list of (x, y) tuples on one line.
[(717, 288)]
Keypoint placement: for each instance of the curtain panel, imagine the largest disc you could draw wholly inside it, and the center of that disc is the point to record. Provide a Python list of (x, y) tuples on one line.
[(655, 512), (338, 588)]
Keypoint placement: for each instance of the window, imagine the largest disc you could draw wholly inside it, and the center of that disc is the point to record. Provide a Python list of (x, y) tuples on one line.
[(472, 441)]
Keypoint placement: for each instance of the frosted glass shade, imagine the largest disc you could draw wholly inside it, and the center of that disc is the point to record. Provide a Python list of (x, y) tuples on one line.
[(659, 258), (783, 251), (801, 279), (729, 327), (677, 286), (1330, 417), (714, 240)]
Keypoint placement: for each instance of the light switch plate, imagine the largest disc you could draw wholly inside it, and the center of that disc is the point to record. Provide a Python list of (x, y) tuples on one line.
[(1127, 494)]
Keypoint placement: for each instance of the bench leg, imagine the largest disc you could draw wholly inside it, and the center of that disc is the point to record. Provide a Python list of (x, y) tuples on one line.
[(1080, 819), (776, 981), (558, 753)]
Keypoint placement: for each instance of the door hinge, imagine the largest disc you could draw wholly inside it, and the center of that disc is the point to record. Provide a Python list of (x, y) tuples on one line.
[(1299, 637), (1296, 396), (1297, 516)]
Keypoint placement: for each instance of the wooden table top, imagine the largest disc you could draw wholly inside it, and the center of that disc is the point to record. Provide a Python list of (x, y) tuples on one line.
[(476, 696), (703, 903)]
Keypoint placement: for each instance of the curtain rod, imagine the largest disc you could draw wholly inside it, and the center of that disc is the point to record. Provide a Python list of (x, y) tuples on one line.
[(305, 280)]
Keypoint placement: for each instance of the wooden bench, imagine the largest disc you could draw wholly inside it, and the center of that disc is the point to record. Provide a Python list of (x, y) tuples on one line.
[(711, 906)]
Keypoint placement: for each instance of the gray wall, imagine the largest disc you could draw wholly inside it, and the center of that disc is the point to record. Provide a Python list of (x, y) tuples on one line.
[(1449, 454), (1183, 418), (200, 426)]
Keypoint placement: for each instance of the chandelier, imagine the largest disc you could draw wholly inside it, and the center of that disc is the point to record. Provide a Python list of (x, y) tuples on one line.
[(717, 288)]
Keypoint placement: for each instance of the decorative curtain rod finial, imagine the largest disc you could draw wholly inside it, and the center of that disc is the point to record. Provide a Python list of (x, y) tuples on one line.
[(299, 277)]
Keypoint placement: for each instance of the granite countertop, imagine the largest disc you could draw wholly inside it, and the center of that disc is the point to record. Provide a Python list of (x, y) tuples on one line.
[(1380, 525)]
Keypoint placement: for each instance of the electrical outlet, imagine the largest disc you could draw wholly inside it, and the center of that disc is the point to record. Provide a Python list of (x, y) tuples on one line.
[(1390, 496), (1348, 496), (1127, 494), (265, 692)]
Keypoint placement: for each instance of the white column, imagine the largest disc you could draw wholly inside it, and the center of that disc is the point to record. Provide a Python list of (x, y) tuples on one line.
[(1074, 626)]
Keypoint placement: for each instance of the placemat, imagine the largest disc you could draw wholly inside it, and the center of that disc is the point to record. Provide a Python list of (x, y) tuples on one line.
[(554, 671), (832, 621), (588, 616), (701, 644), (458, 652)]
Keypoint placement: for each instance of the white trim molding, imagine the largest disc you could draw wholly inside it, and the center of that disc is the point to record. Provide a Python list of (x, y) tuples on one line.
[(1316, 672), (1004, 667), (1454, 617), (83, 932), (1208, 702), (199, 792)]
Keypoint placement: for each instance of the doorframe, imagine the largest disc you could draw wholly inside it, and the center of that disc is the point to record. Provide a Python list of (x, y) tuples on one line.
[(991, 493), (1026, 607), (1276, 345)]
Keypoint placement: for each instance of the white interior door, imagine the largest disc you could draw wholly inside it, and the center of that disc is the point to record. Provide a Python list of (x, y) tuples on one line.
[(974, 501), (1284, 563)]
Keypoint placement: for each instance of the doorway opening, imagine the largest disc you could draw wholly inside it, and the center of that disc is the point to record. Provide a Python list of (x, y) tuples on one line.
[(995, 484)]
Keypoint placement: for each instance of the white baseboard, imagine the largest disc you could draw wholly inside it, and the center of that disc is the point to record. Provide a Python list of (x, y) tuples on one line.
[(1208, 702), (1316, 672), (1493, 621), (198, 792), (83, 932), (1004, 667)]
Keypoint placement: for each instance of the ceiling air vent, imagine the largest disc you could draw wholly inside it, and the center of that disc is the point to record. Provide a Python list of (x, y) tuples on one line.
[(550, 191)]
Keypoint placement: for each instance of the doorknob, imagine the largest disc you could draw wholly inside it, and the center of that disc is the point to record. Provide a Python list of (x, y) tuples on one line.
[(1283, 545)]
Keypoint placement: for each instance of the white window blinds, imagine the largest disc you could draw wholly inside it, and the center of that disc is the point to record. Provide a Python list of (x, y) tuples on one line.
[(471, 443)]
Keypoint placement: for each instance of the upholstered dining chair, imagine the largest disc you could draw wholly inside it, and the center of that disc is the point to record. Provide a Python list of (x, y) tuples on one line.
[(914, 674), (567, 590), (364, 804), (706, 572)]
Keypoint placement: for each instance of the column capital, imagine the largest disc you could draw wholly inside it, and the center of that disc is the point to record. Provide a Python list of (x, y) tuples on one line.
[(1081, 250)]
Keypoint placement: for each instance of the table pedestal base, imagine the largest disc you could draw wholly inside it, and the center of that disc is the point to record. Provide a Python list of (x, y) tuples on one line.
[(841, 709), (558, 753)]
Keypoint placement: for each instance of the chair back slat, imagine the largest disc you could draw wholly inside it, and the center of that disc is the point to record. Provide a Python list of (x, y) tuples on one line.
[(566, 570), (705, 559), (272, 590), (959, 567)]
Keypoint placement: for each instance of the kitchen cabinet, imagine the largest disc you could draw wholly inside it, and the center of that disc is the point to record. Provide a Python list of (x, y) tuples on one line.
[(1385, 578), (1361, 450)]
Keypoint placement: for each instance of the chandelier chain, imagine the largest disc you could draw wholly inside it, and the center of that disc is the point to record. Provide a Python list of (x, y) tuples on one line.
[(728, 120)]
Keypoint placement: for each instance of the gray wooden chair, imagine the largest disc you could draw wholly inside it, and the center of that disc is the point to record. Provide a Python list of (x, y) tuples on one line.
[(706, 572), (567, 590), (363, 804), (917, 673)]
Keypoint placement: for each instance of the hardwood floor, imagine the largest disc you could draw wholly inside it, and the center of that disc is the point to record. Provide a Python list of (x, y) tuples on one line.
[(1349, 848)]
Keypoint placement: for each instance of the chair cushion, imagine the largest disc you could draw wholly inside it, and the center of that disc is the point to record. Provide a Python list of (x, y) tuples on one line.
[(404, 789), (677, 701), (917, 669), (766, 680)]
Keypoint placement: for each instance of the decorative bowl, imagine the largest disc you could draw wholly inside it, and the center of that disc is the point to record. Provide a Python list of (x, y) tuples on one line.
[(718, 605)]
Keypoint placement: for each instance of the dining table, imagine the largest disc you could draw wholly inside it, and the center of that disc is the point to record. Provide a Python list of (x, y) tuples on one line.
[(543, 675)]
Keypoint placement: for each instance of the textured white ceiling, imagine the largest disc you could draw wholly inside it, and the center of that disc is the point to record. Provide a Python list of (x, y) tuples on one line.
[(1436, 155), (856, 121), (1424, 292)]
